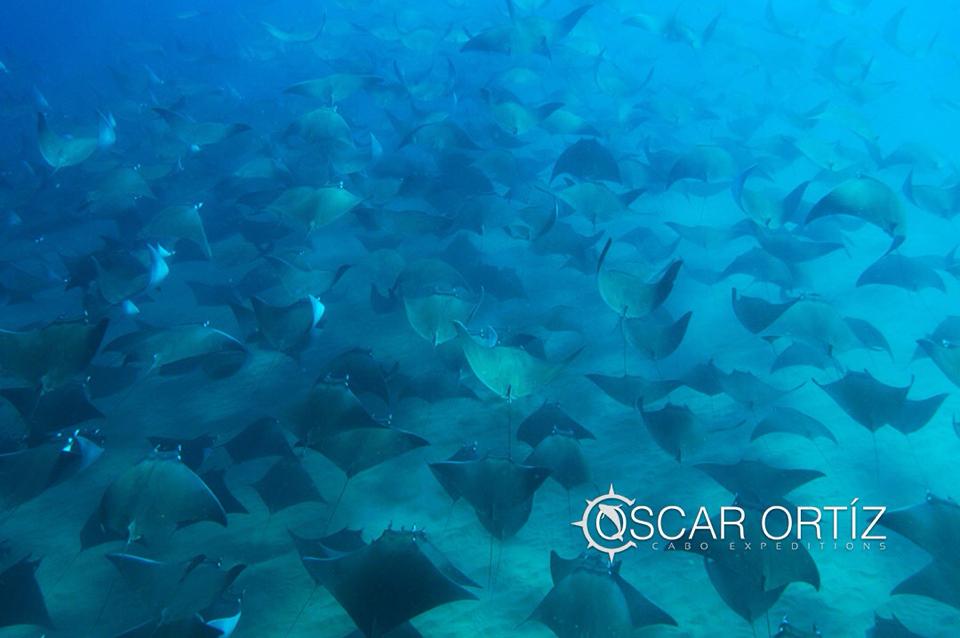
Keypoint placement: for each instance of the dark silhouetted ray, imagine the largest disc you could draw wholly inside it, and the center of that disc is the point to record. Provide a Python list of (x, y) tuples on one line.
[(757, 482), (52, 354), (751, 580), (56, 409), (561, 454), (263, 437), (673, 428), (500, 282), (340, 542), (359, 369), (801, 353), (381, 303), (588, 160), (590, 598), (756, 314), (705, 378), (746, 388), (867, 401), (934, 526), (654, 339), (450, 484), (791, 421), (285, 484), (904, 272), (916, 414), (546, 420), (287, 328), (333, 422), (390, 581), (500, 490), (631, 390), (27, 473), (873, 404), (21, 601)]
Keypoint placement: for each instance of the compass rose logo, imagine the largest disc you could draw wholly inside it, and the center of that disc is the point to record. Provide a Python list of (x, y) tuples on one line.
[(604, 523)]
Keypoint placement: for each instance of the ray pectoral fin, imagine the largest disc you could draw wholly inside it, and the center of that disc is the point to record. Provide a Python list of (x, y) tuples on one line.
[(643, 612), (285, 484), (936, 581), (589, 598), (897, 241), (48, 141), (945, 356), (21, 599), (395, 578), (153, 498), (603, 254)]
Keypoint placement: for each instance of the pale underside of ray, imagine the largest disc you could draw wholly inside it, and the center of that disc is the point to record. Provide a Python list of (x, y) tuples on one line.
[(155, 496), (510, 372), (633, 296), (433, 316), (61, 152)]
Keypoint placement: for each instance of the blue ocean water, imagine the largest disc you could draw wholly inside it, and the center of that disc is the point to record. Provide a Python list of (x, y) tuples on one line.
[(379, 318)]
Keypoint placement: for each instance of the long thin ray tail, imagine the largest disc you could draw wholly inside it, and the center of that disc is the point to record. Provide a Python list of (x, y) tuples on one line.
[(65, 570), (336, 505), (303, 608), (490, 566), (446, 522), (106, 599), (509, 424), (623, 340)]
